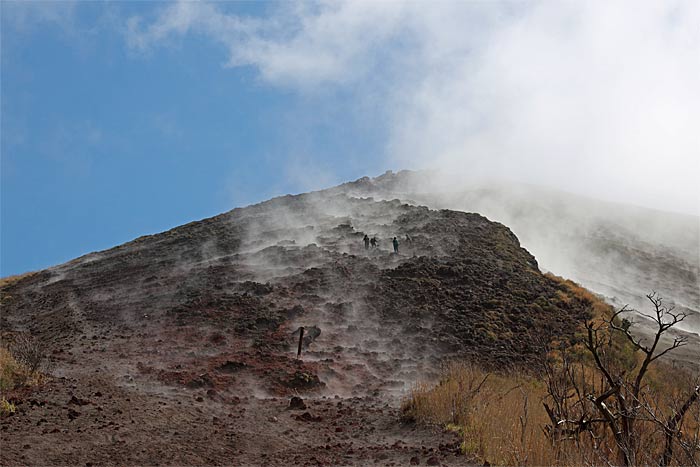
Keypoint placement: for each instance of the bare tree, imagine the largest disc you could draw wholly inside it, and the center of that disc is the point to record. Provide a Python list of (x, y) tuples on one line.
[(671, 425), (617, 400)]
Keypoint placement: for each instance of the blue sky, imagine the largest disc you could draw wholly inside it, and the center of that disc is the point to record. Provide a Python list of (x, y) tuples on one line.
[(120, 119), (101, 145)]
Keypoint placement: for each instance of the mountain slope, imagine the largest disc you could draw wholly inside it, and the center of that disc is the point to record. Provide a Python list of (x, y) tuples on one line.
[(621, 252), (193, 333)]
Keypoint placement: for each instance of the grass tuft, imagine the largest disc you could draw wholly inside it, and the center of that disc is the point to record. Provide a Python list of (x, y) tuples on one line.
[(501, 417), (6, 407), (14, 374)]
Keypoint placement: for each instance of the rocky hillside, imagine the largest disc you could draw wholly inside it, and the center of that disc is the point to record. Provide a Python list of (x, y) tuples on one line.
[(191, 335), (619, 251)]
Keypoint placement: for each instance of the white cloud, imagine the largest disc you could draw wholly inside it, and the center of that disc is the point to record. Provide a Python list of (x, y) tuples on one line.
[(302, 45), (595, 97), (27, 15)]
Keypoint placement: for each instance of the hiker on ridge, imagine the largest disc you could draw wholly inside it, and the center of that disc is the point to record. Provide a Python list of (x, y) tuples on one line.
[(373, 242), (366, 240), (396, 245)]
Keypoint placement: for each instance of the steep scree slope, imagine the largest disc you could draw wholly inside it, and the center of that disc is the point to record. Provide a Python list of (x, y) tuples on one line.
[(209, 312), (619, 251)]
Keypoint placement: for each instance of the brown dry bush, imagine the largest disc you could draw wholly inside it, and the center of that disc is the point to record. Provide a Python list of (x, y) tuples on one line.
[(30, 352), (502, 420), (23, 362), (496, 414), (554, 417), (11, 372), (12, 376)]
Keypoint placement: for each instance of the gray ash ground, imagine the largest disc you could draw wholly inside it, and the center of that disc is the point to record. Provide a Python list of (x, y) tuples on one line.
[(180, 348)]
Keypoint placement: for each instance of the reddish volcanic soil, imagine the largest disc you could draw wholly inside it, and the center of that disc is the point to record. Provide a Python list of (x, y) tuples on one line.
[(180, 348)]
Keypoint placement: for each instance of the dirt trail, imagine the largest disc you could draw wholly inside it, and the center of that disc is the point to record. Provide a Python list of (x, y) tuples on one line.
[(93, 421), (180, 348)]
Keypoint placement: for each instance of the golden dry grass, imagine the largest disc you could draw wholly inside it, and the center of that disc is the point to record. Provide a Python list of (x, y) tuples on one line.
[(14, 374), (501, 418), (571, 290), (9, 280), (6, 407)]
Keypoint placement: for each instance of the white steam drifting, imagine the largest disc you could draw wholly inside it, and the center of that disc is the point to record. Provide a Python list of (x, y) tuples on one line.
[(599, 98)]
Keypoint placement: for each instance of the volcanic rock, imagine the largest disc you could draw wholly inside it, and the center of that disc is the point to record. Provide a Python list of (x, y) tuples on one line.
[(296, 403)]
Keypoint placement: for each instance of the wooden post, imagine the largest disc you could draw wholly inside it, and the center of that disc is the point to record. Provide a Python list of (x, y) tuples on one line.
[(301, 339)]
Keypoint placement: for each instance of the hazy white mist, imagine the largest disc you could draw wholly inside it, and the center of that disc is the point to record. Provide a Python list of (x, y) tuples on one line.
[(598, 98)]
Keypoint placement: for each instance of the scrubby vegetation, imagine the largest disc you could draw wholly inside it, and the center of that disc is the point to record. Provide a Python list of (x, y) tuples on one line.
[(502, 420), (22, 366), (6, 407), (494, 414), (12, 373), (29, 353), (8, 281), (604, 399)]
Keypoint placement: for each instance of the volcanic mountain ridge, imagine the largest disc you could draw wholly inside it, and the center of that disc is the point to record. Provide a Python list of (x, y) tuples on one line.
[(210, 312)]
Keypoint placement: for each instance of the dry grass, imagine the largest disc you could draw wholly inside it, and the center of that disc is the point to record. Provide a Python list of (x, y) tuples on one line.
[(9, 280), (499, 416), (501, 419), (14, 374), (569, 290), (5, 282), (6, 407)]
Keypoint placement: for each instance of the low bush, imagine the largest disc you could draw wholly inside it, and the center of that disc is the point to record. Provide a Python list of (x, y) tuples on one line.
[(602, 399), (29, 352), (502, 420), (499, 416), (6, 407), (21, 368)]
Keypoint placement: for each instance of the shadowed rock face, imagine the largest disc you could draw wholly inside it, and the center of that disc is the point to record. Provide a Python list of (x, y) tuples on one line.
[(223, 297), (618, 251)]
